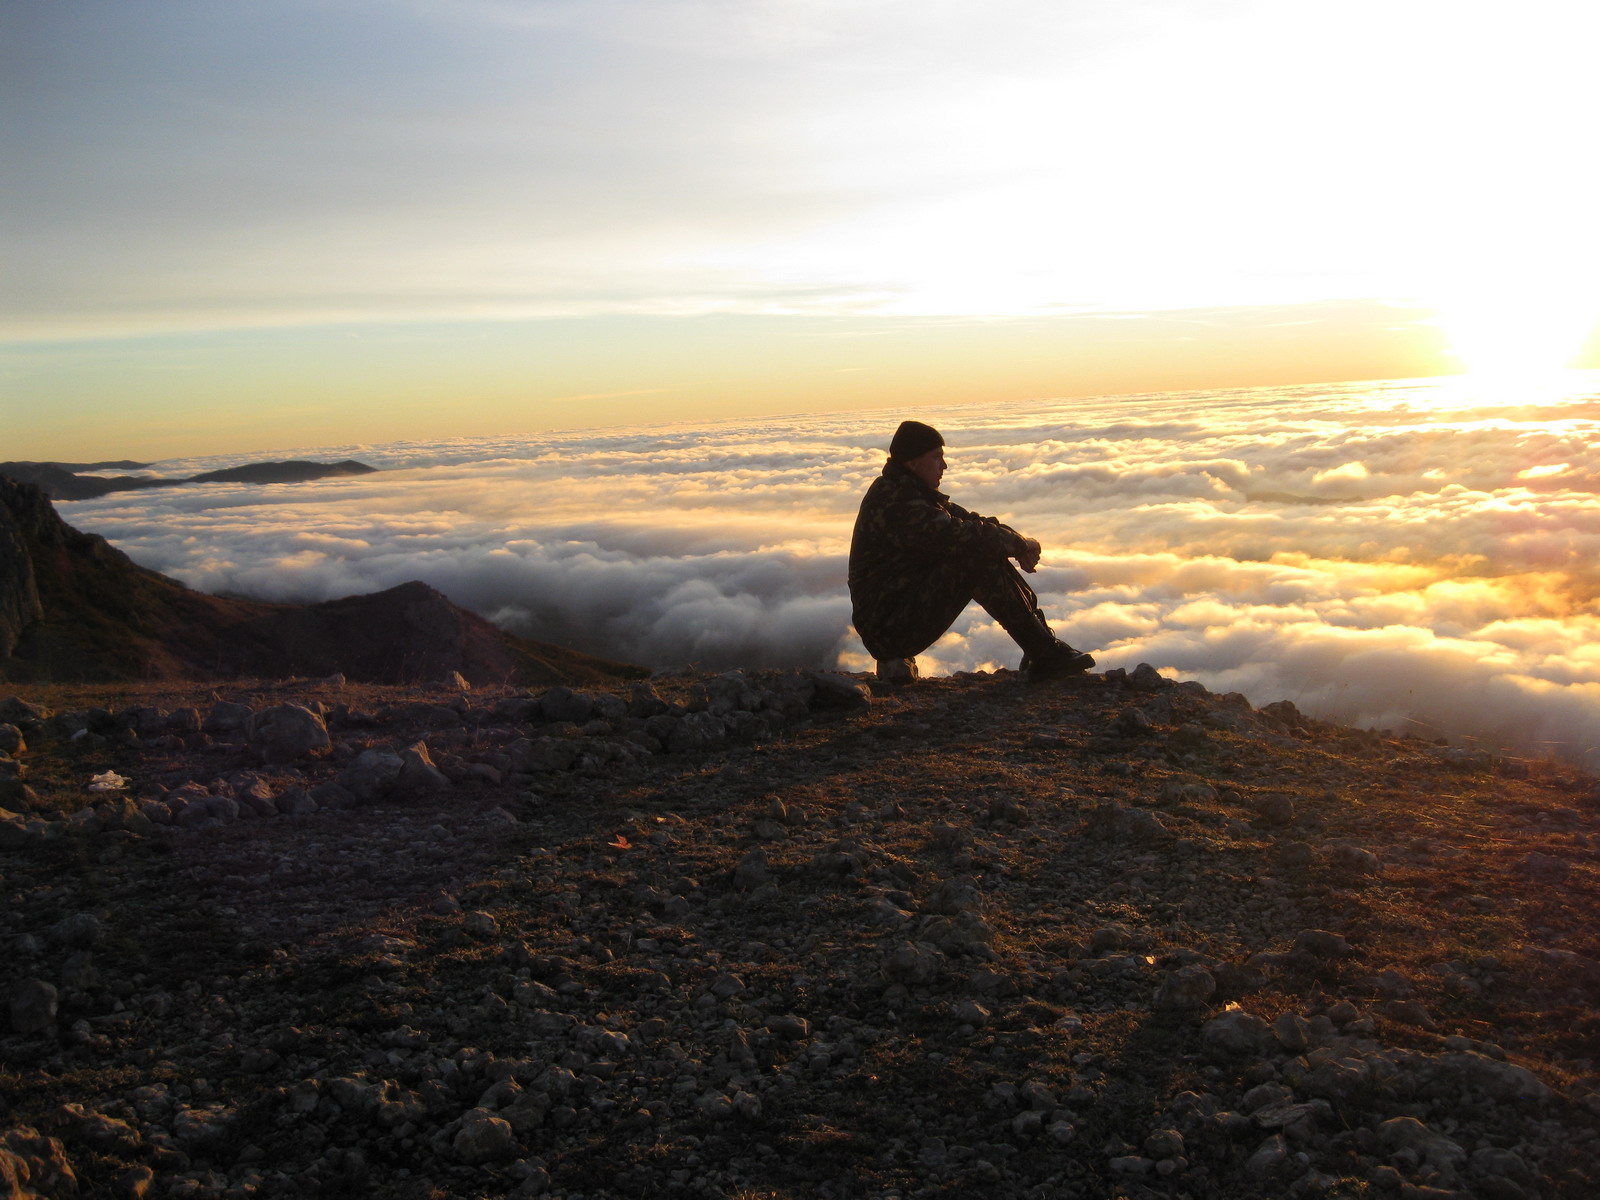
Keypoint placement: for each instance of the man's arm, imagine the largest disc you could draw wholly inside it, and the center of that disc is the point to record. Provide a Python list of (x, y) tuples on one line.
[(1027, 549)]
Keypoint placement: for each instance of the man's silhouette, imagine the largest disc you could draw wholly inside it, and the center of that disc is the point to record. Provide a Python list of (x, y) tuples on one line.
[(917, 560)]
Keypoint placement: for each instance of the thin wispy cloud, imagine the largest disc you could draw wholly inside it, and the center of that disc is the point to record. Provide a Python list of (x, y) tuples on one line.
[(352, 159), (229, 226), (1383, 555)]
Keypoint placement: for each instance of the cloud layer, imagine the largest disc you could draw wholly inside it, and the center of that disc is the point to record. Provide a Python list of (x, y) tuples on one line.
[(1415, 556)]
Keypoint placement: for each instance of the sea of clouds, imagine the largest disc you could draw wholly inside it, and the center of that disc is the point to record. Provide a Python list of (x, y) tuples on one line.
[(1417, 555)]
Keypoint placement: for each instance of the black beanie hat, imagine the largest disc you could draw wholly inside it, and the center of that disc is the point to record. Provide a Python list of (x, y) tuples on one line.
[(914, 439)]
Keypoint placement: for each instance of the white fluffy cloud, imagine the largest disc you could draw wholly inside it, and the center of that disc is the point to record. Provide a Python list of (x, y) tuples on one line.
[(1411, 556)]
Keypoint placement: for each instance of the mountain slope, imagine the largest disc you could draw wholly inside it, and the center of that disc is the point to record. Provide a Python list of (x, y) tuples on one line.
[(72, 607), (62, 481)]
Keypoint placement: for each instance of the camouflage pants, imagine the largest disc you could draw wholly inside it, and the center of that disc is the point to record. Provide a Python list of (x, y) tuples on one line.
[(904, 621)]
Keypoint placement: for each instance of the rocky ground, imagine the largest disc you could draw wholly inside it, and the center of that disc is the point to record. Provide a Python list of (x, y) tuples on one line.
[(772, 936)]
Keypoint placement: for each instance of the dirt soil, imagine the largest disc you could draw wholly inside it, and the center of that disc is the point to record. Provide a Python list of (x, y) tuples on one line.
[(1104, 937)]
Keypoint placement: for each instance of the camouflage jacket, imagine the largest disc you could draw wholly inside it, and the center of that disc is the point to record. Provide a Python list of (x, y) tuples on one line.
[(904, 531)]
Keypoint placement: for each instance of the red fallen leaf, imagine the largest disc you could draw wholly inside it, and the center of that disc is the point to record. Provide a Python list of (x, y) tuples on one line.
[(621, 843)]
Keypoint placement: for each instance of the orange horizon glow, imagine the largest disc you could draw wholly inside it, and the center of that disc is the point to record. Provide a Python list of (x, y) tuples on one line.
[(293, 388)]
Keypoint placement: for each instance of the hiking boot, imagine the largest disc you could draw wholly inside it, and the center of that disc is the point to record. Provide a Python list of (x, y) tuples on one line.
[(1059, 662), (897, 670)]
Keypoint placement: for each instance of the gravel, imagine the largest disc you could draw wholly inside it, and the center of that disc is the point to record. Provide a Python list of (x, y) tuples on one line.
[(784, 934)]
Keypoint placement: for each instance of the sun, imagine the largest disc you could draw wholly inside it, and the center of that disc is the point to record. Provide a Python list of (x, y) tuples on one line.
[(1520, 330)]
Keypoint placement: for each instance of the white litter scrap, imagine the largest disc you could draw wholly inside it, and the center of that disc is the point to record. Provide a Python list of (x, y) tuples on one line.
[(107, 781)]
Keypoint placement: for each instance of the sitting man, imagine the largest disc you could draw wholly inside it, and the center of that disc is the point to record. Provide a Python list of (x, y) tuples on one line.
[(917, 560)]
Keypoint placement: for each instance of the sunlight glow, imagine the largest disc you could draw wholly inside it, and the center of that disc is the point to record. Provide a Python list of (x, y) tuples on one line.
[(1525, 328)]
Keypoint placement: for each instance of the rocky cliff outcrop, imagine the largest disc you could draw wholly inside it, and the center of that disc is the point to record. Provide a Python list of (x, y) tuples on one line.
[(73, 607), (19, 595)]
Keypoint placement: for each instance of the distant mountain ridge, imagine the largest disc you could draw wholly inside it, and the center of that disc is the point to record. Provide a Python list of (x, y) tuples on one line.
[(74, 608), (63, 481)]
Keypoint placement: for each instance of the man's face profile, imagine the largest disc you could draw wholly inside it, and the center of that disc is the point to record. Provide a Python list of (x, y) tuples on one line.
[(928, 467)]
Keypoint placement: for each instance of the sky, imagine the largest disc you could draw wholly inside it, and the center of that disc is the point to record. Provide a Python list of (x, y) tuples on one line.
[(288, 223), (1419, 556)]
